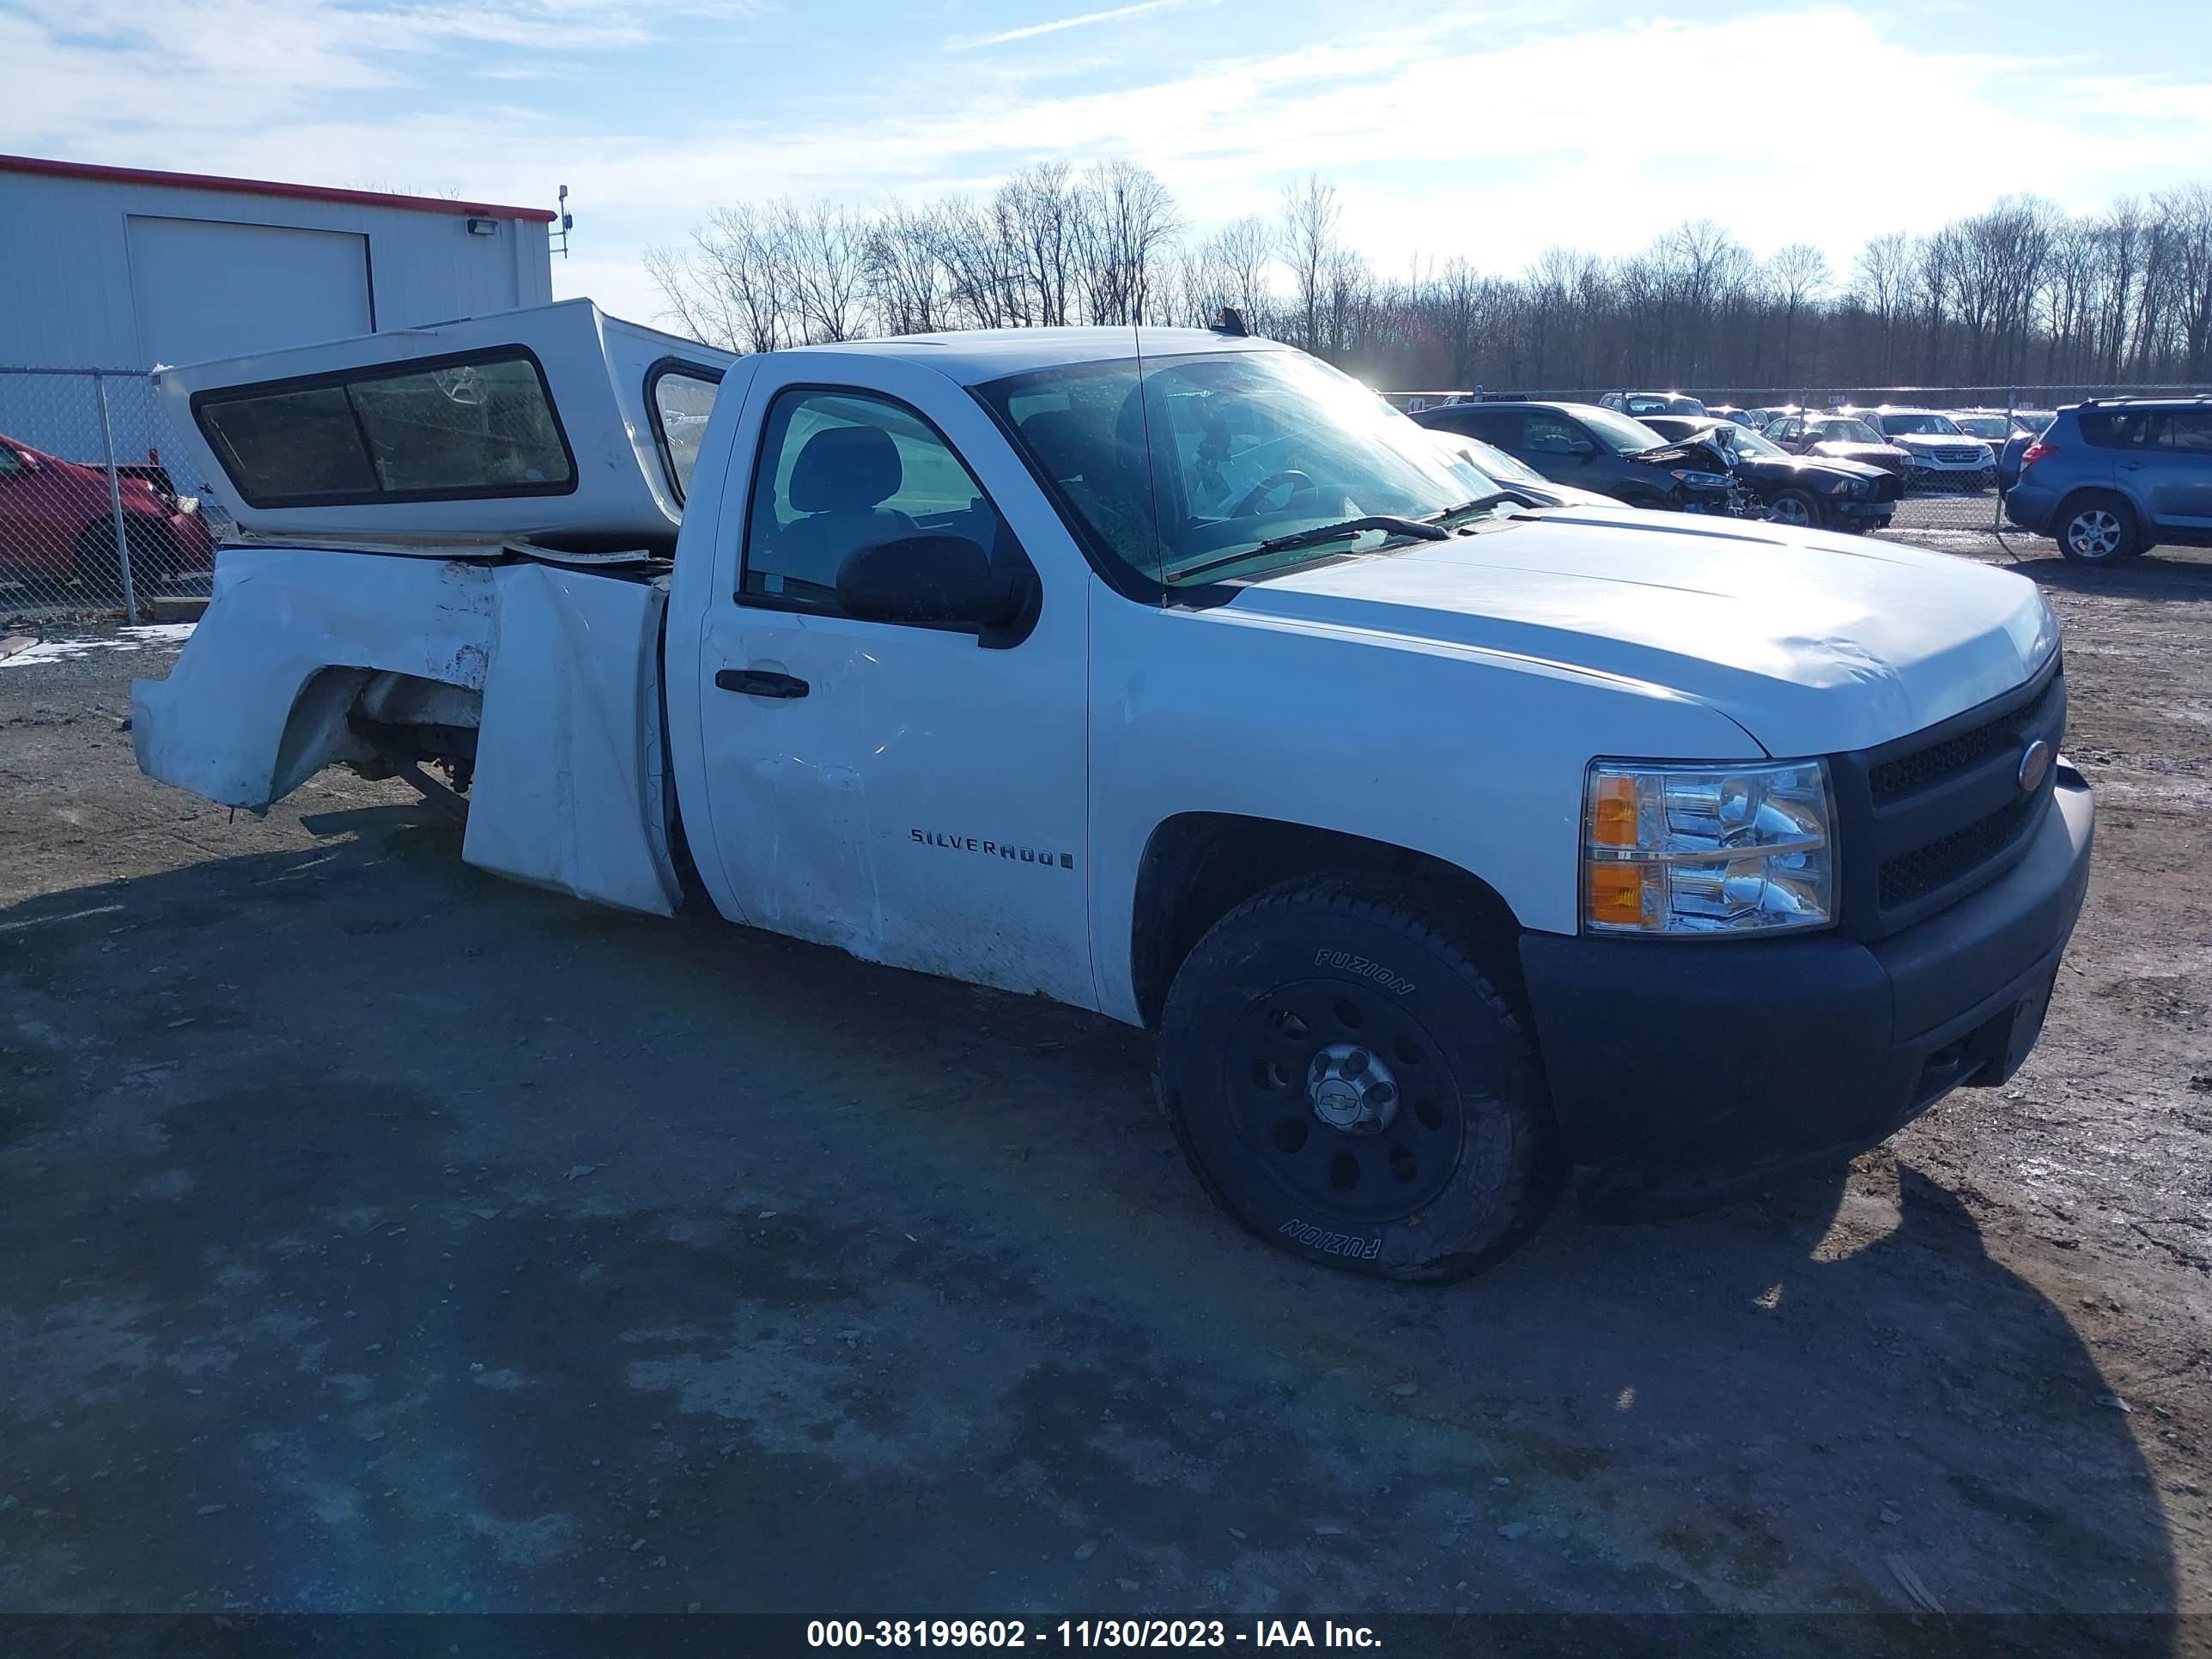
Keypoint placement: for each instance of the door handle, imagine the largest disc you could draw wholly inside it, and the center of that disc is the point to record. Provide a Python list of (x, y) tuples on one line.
[(760, 682)]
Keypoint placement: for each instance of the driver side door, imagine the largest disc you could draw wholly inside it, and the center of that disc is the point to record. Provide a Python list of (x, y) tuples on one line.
[(913, 794)]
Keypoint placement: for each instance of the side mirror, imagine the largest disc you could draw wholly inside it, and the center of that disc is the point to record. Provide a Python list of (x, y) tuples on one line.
[(1581, 448), (938, 581)]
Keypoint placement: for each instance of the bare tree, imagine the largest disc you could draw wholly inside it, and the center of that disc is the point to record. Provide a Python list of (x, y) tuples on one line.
[(1800, 275), (1308, 247)]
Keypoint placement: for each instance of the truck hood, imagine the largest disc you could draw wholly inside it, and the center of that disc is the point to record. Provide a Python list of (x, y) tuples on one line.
[(1812, 642)]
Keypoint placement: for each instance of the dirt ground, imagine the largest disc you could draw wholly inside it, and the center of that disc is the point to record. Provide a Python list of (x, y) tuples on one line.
[(376, 1235)]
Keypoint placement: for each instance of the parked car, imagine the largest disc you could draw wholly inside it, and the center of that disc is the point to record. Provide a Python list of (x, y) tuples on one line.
[(2030, 424), (1766, 415), (1637, 404), (58, 522), (1022, 659), (1800, 490), (1496, 463), (2110, 479), (1596, 449), (1938, 455), (1838, 437), (1729, 412)]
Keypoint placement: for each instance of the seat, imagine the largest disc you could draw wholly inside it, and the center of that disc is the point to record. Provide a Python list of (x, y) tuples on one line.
[(840, 482)]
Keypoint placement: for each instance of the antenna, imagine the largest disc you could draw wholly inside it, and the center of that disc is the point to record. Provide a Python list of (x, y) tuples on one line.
[(565, 223)]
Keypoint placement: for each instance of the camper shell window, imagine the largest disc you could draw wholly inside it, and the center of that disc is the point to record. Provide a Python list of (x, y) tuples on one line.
[(681, 395), (473, 426)]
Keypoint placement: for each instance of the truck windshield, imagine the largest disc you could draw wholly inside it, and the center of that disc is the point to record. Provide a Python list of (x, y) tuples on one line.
[(1173, 467)]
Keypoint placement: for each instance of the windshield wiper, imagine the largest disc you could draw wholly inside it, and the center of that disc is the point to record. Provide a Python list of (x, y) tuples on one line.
[(1390, 524), (1496, 498)]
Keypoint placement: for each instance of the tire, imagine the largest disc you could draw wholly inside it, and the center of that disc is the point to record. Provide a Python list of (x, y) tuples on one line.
[(1348, 1085), (1794, 507), (2096, 529)]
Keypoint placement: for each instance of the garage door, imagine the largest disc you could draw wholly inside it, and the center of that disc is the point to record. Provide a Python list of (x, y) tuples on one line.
[(203, 288)]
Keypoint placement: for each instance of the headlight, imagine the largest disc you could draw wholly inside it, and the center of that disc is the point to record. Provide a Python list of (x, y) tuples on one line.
[(1707, 849), (1701, 480)]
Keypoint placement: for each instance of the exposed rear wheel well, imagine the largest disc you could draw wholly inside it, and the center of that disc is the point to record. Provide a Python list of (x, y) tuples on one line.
[(1198, 866)]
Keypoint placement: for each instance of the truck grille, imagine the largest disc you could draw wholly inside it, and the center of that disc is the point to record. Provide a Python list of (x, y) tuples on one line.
[(1913, 875), (1926, 819), (2009, 733)]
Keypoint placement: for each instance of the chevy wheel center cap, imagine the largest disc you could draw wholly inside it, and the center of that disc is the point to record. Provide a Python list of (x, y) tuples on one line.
[(1337, 1103), (2034, 766)]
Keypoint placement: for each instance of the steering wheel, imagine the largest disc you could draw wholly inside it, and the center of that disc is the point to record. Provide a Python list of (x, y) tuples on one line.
[(1267, 487)]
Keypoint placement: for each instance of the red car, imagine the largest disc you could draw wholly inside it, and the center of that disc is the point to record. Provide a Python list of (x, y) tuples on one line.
[(56, 521)]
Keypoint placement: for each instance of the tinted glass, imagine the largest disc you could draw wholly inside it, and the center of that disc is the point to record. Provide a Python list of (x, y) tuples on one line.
[(470, 427), (682, 401), (482, 426), (290, 444), (841, 471), (2190, 430), (1203, 458)]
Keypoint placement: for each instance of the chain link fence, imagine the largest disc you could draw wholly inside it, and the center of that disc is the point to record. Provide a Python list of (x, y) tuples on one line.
[(92, 522), (1954, 449)]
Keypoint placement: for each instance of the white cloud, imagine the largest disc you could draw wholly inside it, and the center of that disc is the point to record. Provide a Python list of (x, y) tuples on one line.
[(1487, 132), (1030, 31)]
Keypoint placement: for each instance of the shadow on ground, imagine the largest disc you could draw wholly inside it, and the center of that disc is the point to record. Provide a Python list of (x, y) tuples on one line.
[(381, 1237)]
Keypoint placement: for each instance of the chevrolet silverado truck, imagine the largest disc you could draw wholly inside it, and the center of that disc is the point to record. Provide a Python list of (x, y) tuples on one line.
[(1449, 837)]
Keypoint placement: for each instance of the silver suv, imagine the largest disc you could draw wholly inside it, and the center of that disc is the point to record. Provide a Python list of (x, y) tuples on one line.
[(1939, 454)]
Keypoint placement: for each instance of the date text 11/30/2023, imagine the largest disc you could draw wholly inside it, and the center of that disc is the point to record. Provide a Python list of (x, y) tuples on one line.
[(1086, 1634)]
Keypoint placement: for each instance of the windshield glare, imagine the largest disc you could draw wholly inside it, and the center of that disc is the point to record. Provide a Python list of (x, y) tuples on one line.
[(1984, 426), (1937, 426), (1198, 459), (1846, 431), (1618, 433), (1745, 441)]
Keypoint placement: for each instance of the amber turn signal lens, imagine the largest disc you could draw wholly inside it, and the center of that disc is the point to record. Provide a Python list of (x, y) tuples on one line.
[(1613, 813), (1616, 893)]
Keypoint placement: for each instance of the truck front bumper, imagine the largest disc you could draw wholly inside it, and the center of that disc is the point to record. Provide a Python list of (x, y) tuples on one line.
[(1709, 1056)]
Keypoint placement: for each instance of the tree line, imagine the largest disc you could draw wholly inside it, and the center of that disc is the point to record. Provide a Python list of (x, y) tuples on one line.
[(2022, 292)]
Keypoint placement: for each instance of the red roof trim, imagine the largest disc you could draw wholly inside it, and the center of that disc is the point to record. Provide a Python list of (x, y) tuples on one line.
[(265, 187)]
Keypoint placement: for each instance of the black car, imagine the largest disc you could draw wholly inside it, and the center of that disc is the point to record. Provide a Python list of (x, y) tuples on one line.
[(1595, 449), (1807, 489)]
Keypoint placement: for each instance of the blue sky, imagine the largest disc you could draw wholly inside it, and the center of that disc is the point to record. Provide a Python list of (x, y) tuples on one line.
[(1491, 130)]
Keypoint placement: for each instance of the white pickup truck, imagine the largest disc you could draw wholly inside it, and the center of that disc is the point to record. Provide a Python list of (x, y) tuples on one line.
[(1447, 836)]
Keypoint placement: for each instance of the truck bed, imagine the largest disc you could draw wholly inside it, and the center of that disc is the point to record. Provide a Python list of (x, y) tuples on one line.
[(539, 674)]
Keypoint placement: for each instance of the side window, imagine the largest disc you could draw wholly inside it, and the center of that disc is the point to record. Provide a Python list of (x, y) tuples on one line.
[(2189, 431), (841, 471), (1545, 434), (682, 397), (9, 466), (1786, 432)]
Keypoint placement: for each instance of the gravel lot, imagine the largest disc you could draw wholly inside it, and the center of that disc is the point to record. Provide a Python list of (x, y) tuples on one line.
[(375, 1235)]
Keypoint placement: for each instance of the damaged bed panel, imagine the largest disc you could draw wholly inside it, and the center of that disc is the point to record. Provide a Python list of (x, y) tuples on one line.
[(568, 763), (569, 777)]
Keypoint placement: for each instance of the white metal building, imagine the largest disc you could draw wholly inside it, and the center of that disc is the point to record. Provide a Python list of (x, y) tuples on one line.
[(124, 268)]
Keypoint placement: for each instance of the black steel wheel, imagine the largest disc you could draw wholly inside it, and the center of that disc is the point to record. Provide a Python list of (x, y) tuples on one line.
[(1348, 1085)]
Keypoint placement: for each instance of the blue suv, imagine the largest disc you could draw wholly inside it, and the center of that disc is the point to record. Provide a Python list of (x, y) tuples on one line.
[(2112, 477)]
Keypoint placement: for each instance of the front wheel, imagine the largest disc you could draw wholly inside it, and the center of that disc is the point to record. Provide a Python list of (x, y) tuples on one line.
[(1794, 507), (1351, 1088)]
